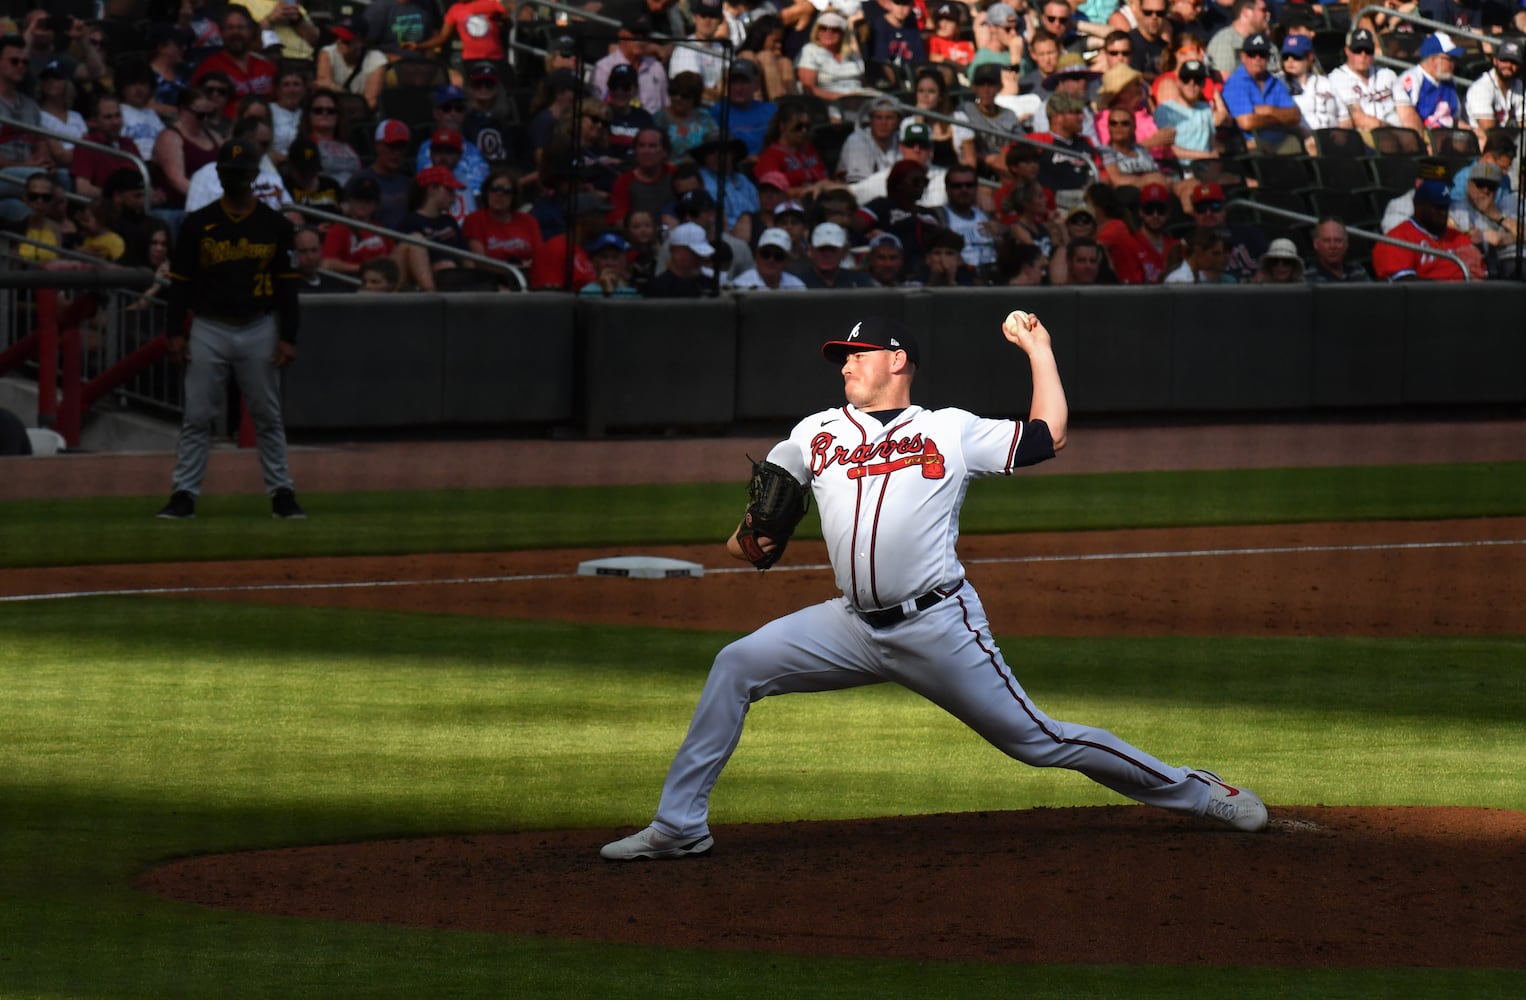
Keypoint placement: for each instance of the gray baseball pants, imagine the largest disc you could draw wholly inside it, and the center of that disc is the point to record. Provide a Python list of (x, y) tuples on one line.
[(219, 350)]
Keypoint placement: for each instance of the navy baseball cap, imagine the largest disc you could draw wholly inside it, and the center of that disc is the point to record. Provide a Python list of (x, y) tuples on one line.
[(605, 241), (873, 334), (1433, 193)]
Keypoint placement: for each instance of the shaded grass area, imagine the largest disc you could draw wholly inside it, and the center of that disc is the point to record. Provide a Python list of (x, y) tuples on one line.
[(116, 530), (139, 730)]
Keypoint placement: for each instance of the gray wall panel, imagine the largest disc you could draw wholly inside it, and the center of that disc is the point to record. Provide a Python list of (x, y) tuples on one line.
[(1464, 343), (1358, 345), (368, 360), (780, 373), (1243, 349), (659, 363), (1125, 339), (509, 358), (969, 363)]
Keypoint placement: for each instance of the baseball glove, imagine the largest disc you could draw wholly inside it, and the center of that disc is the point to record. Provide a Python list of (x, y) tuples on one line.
[(778, 502)]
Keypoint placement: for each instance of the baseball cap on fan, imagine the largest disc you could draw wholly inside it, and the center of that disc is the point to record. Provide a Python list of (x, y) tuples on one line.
[(691, 235), (1439, 43), (390, 131), (873, 334)]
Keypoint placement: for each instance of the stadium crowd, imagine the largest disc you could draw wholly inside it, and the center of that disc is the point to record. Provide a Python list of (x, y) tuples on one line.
[(677, 148)]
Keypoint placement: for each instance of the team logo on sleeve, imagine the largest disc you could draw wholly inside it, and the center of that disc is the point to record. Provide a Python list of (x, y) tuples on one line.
[(878, 459)]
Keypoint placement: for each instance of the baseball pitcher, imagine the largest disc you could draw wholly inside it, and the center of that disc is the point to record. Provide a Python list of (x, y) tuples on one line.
[(889, 478)]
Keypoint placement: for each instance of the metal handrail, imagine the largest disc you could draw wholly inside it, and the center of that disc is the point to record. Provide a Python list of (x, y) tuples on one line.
[(148, 185), (1452, 30), (973, 126), (1365, 234), (610, 22), (397, 237)]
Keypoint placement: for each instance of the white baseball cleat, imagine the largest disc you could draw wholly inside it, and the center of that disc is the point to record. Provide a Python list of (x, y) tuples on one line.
[(1240, 808), (652, 843)]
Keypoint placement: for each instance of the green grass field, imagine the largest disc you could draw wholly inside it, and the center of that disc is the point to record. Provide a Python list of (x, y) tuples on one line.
[(139, 729)]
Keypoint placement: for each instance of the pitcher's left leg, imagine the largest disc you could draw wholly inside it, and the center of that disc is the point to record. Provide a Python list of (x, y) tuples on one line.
[(963, 671)]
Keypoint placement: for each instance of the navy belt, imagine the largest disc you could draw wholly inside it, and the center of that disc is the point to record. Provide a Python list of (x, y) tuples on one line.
[(234, 320), (886, 617)]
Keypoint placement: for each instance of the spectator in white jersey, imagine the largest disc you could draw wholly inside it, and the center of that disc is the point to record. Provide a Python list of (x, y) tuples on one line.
[(1369, 96)]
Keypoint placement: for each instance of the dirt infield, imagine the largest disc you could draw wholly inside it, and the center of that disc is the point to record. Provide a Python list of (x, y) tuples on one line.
[(1324, 886), (1342, 887)]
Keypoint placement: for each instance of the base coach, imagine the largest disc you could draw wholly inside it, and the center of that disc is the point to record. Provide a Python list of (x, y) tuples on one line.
[(234, 270)]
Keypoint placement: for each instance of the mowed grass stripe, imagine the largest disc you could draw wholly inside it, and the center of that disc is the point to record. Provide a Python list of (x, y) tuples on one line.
[(117, 530)]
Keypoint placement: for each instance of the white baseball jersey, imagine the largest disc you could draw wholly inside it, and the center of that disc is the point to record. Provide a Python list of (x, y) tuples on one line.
[(1317, 102), (1487, 99), (1378, 95), (889, 496)]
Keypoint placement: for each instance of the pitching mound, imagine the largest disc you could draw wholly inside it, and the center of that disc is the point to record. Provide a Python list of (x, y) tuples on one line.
[(1323, 886)]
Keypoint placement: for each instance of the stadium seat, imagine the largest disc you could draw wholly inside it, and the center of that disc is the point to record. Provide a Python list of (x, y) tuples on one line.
[(1344, 142), (1394, 141), (1343, 173), (1395, 174), (1454, 141), (1353, 208), (1280, 173)]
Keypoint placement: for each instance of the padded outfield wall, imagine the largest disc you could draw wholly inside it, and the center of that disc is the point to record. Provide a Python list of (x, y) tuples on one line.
[(599, 367)]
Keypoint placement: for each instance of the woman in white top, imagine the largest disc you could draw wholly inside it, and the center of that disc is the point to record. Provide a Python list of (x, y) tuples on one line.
[(1311, 91), (830, 66), (55, 100), (349, 66), (286, 112)]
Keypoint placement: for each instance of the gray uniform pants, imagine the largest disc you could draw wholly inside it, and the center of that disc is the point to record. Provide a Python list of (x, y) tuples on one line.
[(218, 351)]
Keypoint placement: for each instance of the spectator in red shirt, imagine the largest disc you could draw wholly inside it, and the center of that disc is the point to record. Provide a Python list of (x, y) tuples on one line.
[(250, 73), (89, 167), (479, 23), (549, 271), (1431, 227), (346, 249), (787, 150), (945, 45), (1115, 235), (1154, 242), (498, 229)]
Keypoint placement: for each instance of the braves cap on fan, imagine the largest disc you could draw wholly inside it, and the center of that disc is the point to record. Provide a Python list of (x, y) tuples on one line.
[(873, 334)]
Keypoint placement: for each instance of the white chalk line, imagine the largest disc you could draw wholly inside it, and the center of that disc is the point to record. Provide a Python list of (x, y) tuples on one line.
[(259, 588)]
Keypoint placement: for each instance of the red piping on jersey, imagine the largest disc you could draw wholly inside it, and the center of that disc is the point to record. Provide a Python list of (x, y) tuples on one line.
[(1017, 437), (1006, 681)]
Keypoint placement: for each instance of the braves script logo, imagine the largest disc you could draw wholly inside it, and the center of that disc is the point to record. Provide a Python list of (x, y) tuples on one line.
[(877, 459)]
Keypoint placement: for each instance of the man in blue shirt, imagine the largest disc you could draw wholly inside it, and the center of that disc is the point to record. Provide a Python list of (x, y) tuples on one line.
[(746, 118), (1258, 100)]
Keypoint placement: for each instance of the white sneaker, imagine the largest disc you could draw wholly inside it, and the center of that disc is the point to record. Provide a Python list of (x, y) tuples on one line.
[(1240, 808), (651, 843)]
